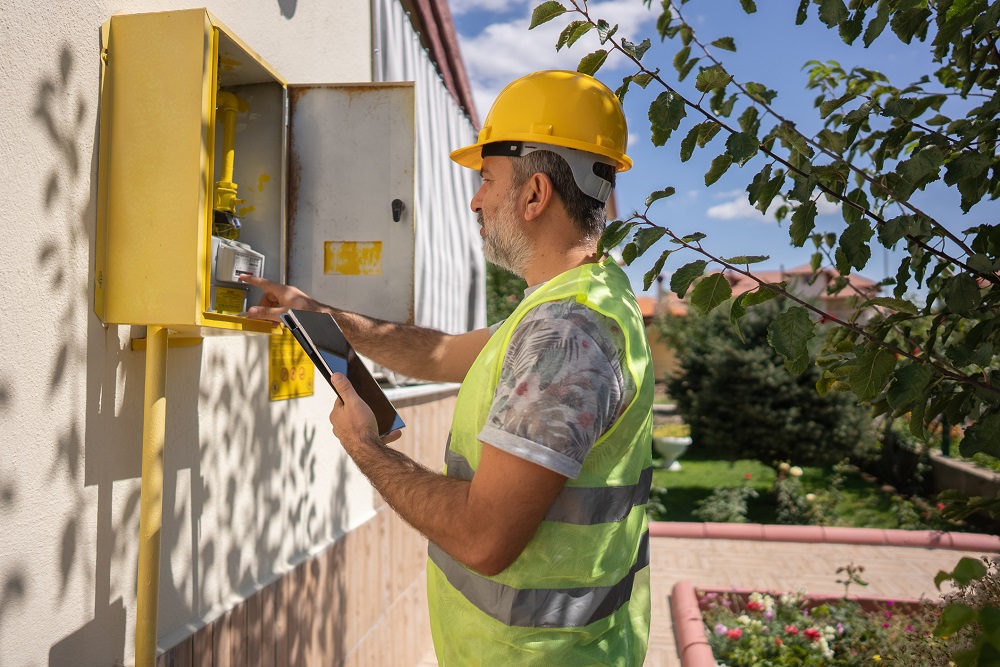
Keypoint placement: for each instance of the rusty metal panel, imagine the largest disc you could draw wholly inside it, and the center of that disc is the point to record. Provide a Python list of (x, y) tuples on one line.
[(351, 156)]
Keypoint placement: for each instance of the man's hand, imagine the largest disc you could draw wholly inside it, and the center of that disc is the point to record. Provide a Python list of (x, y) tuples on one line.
[(353, 421), (277, 299)]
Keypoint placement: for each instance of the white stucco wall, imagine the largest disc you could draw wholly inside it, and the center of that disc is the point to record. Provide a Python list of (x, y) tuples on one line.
[(250, 486)]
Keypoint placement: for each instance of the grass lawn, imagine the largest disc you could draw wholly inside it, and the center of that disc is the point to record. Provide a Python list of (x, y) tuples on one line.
[(861, 504)]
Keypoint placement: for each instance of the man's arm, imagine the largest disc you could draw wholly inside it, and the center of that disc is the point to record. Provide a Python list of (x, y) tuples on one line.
[(483, 524), (414, 351)]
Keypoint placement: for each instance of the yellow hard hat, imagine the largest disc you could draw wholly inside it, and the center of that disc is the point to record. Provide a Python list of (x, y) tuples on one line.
[(555, 108)]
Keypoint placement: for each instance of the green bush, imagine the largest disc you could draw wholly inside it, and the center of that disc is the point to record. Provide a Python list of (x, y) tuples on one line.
[(741, 402)]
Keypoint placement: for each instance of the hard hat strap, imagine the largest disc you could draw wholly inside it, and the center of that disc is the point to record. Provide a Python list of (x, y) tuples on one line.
[(580, 162)]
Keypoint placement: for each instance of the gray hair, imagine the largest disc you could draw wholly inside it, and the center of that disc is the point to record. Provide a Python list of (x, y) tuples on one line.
[(588, 213)]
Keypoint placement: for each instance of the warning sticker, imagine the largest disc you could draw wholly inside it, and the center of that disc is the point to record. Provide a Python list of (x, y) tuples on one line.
[(291, 373), (353, 258), (230, 301)]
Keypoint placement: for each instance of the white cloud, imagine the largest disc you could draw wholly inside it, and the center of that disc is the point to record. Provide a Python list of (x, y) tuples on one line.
[(505, 51), (464, 6), (739, 207)]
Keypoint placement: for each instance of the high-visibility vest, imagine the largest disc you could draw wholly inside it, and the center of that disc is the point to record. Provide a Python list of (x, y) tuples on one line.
[(579, 592)]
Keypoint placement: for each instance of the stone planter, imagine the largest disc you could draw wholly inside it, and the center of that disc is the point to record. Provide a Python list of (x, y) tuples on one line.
[(671, 448)]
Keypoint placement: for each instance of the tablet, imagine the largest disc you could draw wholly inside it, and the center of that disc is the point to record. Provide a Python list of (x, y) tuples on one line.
[(326, 345)]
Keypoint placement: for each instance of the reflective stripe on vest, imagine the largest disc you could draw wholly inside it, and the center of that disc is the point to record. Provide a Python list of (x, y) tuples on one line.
[(540, 607), (578, 505)]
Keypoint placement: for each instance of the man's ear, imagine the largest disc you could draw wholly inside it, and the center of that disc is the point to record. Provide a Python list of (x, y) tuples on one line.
[(538, 195)]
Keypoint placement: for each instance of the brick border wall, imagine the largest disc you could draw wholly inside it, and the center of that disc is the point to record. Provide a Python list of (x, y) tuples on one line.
[(362, 601)]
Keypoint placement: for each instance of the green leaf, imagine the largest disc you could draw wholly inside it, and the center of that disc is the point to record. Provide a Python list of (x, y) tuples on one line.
[(789, 334), (746, 259), (802, 13), (968, 570), (770, 190), (741, 147), (749, 121), (788, 134), (646, 237), (760, 92), (636, 50), (758, 296), (736, 313), (707, 132), (878, 23), (711, 78), (891, 231), (614, 234), (605, 31), (629, 253), (909, 386), (962, 295), (749, 6), (803, 222), (651, 275), (854, 244), (758, 183), (571, 33), (832, 12), (710, 292), (725, 43), (643, 78), (871, 372), (859, 114), (689, 141), (546, 12), (592, 62), (719, 166), (665, 115), (983, 436), (682, 278), (828, 107), (970, 172), (660, 194), (681, 57), (898, 305), (954, 617)]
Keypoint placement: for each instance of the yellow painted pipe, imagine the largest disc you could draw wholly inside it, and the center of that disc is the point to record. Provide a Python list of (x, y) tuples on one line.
[(151, 498), (225, 190)]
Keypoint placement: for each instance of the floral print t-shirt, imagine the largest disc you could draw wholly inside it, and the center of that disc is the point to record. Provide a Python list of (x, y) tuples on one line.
[(561, 386)]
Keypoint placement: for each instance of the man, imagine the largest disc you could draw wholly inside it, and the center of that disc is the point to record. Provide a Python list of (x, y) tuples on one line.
[(538, 538)]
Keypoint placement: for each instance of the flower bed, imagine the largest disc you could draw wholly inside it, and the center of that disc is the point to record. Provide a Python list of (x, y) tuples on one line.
[(741, 627)]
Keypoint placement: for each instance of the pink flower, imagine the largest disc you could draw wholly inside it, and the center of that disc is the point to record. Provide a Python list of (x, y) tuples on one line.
[(812, 633), (734, 634), (885, 625), (777, 640), (792, 630)]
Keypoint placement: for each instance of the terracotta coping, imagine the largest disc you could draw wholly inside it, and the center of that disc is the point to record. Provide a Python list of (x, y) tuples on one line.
[(689, 626), (929, 539)]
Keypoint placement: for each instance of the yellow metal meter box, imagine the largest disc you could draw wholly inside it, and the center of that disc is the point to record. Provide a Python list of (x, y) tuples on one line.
[(206, 172)]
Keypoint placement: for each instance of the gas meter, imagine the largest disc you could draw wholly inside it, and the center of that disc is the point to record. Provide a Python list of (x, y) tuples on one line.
[(211, 166)]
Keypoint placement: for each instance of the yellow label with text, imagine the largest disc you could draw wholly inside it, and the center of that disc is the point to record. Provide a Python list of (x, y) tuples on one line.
[(353, 258), (229, 301), (291, 373)]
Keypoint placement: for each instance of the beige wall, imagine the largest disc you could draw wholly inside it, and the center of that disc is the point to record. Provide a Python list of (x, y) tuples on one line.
[(251, 487)]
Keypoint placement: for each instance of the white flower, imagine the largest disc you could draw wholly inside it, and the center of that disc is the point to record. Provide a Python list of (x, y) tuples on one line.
[(783, 467), (811, 497), (795, 471), (743, 620)]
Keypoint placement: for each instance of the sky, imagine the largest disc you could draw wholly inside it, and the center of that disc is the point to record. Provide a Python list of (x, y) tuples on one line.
[(498, 47)]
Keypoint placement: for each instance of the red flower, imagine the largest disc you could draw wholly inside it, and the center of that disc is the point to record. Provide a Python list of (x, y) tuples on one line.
[(747, 476), (812, 633), (734, 634), (777, 640), (792, 630), (940, 507), (753, 605)]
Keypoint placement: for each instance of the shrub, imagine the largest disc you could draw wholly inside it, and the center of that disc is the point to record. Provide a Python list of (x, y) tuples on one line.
[(740, 401)]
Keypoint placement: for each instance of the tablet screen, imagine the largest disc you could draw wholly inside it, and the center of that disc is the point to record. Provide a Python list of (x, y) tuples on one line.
[(326, 345)]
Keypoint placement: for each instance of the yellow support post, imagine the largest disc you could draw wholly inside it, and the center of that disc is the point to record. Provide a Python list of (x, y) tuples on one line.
[(151, 498)]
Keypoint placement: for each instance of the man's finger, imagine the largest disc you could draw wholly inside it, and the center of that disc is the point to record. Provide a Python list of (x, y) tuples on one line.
[(344, 388), (265, 313), (263, 283)]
